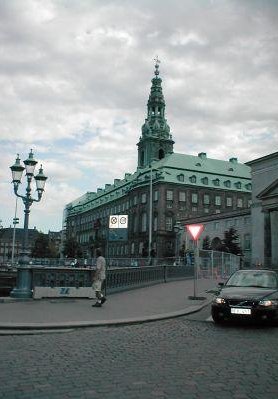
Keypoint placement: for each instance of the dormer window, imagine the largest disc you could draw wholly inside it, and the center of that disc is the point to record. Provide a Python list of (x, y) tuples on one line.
[(227, 183), (216, 182), (198, 164), (205, 180), (238, 184), (193, 179), (248, 186), (180, 177)]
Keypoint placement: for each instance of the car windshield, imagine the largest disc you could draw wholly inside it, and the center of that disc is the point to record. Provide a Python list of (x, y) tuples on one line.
[(253, 279)]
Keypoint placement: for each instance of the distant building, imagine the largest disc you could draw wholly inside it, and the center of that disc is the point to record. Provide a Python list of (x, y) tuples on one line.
[(165, 188), (215, 226), (264, 210), (6, 242)]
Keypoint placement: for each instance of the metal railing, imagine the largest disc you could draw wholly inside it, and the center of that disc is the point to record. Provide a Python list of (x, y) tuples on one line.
[(209, 256), (129, 273)]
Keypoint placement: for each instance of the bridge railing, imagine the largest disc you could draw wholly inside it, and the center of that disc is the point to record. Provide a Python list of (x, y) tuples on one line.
[(55, 280)]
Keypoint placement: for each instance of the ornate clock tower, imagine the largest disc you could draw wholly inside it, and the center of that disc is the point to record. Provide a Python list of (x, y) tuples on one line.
[(156, 140)]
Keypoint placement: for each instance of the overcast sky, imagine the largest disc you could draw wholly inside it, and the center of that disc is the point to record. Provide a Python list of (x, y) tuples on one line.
[(75, 77)]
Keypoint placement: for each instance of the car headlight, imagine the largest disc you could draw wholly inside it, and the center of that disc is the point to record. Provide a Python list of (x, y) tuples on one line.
[(219, 300), (267, 303)]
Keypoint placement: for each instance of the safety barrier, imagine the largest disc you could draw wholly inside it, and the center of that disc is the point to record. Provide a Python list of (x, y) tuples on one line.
[(126, 273)]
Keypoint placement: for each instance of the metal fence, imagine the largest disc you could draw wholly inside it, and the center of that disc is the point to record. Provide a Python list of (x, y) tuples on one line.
[(206, 256), (125, 273)]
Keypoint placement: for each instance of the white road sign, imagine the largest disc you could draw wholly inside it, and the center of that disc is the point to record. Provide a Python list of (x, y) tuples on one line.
[(118, 221)]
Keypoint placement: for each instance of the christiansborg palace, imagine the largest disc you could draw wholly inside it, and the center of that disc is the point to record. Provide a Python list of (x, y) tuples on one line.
[(166, 188)]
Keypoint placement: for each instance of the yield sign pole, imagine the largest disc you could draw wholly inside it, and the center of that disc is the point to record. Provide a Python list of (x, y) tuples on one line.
[(195, 231)]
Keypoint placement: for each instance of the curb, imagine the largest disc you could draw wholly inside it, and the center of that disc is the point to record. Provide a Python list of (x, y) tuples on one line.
[(35, 328)]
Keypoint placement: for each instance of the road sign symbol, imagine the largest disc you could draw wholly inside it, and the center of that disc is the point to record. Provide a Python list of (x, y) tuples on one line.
[(118, 221), (114, 220), (195, 230)]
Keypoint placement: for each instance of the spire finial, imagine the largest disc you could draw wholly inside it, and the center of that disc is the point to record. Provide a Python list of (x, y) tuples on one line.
[(157, 62)]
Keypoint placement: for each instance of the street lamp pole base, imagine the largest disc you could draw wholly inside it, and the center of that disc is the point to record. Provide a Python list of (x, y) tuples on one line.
[(21, 293), (23, 284)]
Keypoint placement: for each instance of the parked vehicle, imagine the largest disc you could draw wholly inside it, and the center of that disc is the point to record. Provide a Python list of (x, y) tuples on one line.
[(247, 295)]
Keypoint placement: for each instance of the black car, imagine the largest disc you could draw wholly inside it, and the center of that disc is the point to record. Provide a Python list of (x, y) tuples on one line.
[(247, 295)]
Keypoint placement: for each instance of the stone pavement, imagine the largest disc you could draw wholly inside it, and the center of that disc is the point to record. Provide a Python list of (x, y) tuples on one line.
[(155, 302)]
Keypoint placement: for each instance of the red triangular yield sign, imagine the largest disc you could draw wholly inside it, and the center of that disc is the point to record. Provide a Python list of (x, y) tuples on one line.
[(195, 230)]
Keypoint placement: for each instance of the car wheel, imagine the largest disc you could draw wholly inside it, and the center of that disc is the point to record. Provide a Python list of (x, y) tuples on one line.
[(216, 318)]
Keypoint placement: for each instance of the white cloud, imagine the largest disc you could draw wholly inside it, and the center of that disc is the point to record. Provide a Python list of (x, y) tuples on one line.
[(75, 79)]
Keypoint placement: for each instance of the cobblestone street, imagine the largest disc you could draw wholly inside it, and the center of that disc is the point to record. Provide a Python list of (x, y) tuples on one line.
[(176, 358)]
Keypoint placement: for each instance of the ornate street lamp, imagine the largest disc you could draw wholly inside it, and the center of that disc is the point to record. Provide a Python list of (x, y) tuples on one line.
[(24, 276), (178, 228)]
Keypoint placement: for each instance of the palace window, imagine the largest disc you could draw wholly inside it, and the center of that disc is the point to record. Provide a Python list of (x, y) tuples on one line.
[(169, 195), (144, 222), (206, 199), (168, 223), (217, 200), (229, 201), (182, 196), (194, 198), (180, 177), (143, 198), (193, 179), (155, 223), (247, 242), (239, 202)]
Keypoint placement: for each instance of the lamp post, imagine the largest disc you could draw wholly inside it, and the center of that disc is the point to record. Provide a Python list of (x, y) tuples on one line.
[(24, 276), (177, 229), (15, 222), (150, 213)]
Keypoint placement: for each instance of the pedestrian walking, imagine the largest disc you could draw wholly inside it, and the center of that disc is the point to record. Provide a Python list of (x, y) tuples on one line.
[(99, 279)]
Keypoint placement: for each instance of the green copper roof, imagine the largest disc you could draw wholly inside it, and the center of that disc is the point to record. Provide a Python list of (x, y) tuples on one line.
[(205, 165), (182, 169), (156, 145)]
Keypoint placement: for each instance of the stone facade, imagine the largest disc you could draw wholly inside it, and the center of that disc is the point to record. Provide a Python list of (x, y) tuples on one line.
[(264, 173)]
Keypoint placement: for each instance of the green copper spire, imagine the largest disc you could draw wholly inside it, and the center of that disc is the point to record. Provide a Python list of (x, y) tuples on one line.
[(156, 140)]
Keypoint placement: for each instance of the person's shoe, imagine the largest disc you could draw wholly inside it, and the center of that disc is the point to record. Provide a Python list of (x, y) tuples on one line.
[(96, 305), (103, 299)]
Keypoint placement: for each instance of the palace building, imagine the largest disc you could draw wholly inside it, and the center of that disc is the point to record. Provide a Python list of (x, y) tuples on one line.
[(165, 188)]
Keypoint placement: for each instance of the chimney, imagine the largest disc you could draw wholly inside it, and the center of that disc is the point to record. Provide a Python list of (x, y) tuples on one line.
[(202, 155)]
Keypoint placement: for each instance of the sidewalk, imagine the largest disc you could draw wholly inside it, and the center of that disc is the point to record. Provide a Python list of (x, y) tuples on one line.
[(136, 306)]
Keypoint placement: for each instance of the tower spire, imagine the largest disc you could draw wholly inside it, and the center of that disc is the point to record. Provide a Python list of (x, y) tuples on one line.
[(157, 62), (156, 140)]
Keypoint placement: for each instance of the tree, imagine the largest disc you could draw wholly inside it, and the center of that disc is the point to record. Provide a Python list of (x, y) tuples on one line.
[(206, 243), (230, 242), (42, 248), (72, 248)]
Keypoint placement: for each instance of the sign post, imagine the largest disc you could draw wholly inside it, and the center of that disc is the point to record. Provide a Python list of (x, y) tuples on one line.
[(195, 231), (117, 228)]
